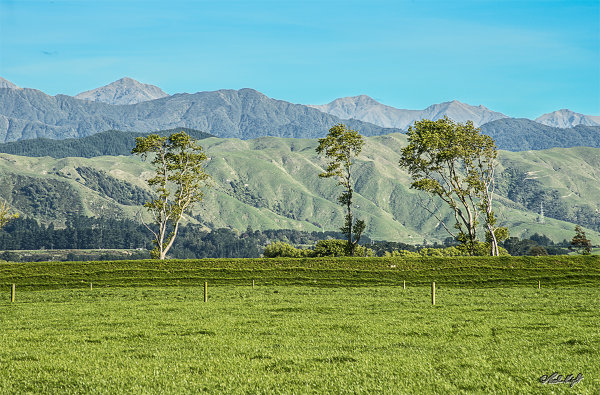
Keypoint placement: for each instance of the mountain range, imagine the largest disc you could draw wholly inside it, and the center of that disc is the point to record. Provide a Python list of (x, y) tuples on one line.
[(245, 114), (141, 108), (367, 109)]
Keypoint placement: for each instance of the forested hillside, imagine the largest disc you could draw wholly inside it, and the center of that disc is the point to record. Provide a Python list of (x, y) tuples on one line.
[(523, 134), (111, 142)]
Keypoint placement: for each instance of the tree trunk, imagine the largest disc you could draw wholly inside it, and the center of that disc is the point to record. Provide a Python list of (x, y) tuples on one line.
[(494, 251)]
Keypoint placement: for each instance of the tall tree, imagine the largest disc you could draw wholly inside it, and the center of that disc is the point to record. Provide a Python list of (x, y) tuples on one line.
[(340, 147), (5, 214), (179, 175), (580, 242), (456, 163)]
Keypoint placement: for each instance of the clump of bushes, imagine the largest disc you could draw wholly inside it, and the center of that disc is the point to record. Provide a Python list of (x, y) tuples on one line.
[(481, 249), (279, 249), (323, 248), (339, 248)]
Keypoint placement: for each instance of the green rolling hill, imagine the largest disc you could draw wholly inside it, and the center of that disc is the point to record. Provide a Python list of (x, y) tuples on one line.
[(272, 183)]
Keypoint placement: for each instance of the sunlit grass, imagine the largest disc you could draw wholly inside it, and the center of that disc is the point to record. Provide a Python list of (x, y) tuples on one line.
[(294, 339)]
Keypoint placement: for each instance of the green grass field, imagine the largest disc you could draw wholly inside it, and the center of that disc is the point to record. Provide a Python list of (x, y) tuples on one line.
[(321, 272), (299, 339)]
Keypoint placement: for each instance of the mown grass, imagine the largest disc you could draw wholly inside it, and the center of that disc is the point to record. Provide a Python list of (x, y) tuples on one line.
[(322, 272), (299, 339)]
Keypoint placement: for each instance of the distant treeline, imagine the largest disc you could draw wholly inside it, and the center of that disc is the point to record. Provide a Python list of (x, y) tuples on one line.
[(111, 142), (194, 241)]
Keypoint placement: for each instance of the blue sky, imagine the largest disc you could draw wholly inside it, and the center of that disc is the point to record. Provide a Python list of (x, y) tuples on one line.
[(522, 58)]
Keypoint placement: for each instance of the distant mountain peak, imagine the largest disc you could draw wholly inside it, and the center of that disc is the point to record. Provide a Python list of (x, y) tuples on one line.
[(365, 98), (123, 91), (367, 109), (566, 118), (7, 84)]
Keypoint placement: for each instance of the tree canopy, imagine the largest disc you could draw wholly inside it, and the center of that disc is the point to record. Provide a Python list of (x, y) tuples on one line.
[(5, 214), (456, 163), (580, 242)]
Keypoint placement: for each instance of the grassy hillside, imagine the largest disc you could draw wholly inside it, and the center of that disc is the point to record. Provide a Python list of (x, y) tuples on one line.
[(272, 183)]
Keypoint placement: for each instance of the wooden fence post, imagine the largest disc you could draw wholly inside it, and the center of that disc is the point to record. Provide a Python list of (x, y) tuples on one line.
[(252, 283), (91, 286), (403, 284), (433, 293), (539, 284), (205, 291), (12, 293)]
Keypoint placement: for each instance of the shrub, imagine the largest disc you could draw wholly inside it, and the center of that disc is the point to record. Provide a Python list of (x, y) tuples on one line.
[(280, 249), (481, 249), (335, 247)]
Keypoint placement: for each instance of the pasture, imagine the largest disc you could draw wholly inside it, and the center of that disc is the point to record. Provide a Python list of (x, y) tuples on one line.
[(298, 337)]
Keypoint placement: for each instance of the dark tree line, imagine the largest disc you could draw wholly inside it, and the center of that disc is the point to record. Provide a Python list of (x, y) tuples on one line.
[(80, 233), (535, 245), (194, 241), (110, 142)]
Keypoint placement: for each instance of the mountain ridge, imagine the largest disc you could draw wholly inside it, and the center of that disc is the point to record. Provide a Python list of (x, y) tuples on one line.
[(367, 109), (126, 91), (246, 113), (7, 84), (566, 118)]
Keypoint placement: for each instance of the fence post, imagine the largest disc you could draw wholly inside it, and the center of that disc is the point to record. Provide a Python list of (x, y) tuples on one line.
[(91, 287), (433, 293), (12, 293), (252, 283), (205, 291), (539, 284), (403, 284)]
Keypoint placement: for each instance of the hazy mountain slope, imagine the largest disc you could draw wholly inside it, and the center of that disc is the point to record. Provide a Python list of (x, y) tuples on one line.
[(568, 119), (123, 91), (28, 113), (522, 134), (7, 84), (367, 109), (272, 183), (111, 142), (461, 112)]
